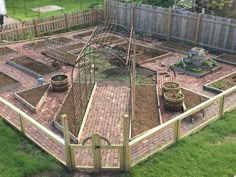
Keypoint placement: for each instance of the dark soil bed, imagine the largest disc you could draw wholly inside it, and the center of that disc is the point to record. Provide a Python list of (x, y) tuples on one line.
[(71, 47), (192, 99), (36, 45), (68, 109), (6, 80), (145, 112), (62, 39), (33, 65), (227, 57), (176, 46), (109, 39), (144, 53), (6, 51), (84, 34), (33, 96)]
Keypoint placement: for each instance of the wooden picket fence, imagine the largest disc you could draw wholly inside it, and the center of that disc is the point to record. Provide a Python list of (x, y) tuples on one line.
[(49, 25), (213, 32)]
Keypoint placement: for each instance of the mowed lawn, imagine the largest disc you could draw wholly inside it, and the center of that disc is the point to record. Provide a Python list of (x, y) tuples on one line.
[(16, 9), (20, 158), (209, 153)]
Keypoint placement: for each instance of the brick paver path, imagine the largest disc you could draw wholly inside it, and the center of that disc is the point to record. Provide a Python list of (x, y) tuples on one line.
[(109, 104)]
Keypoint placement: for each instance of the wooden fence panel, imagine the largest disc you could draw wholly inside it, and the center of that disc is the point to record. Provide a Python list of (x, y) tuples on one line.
[(36, 27), (197, 29)]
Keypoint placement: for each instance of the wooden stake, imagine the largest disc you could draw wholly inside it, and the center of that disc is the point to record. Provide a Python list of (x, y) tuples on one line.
[(222, 103), (67, 142), (126, 151), (177, 130), (22, 125), (35, 27), (96, 146), (197, 29)]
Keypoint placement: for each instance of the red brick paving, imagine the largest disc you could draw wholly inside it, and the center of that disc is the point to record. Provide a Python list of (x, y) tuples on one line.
[(109, 105)]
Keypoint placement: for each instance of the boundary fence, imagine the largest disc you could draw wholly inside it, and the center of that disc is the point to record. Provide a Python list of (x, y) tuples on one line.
[(49, 25), (213, 32)]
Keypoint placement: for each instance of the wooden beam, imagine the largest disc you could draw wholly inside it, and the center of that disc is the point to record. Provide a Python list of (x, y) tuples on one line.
[(67, 141), (126, 151), (197, 29), (22, 125)]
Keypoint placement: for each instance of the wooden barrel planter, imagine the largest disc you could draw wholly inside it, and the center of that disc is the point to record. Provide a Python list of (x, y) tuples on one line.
[(173, 101), (170, 86), (60, 83)]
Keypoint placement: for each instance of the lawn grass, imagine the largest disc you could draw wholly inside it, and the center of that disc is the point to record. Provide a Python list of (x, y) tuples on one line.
[(20, 158), (209, 153), (16, 9)]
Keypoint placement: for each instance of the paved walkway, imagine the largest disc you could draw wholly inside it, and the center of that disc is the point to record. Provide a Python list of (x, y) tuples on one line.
[(109, 104)]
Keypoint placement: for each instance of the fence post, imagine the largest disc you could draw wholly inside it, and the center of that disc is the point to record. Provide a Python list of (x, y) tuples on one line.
[(197, 29), (132, 15), (22, 125), (126, 151), (66, 21), (67, 142), (105, 10), (169, 24), (177, 130), (36, 27), (222, 103)]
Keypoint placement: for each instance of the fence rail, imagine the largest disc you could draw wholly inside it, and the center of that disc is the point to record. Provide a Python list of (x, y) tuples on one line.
[(26, 125), (172, 131), (216, 33), (37, 27)]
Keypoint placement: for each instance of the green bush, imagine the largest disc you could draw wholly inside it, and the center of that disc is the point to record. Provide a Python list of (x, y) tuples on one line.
[(162, 3)]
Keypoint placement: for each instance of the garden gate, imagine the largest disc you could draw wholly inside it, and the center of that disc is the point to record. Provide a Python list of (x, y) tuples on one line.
[(103, 155)]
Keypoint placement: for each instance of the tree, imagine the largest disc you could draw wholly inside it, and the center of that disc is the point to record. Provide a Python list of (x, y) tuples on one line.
[(213, 5), (162, 3)]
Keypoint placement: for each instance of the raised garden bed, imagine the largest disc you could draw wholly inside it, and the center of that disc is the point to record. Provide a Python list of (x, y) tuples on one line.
[(83, 34), (197, 73), (31, 66), (67, 107), (109, 40), (191, 99), (5, 51), (226, 58), (146, 114), (35, 45), (175, 47), (221, 84), (147, 54), (67, 54), (7, 82), (62, 40), (33, 98)]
